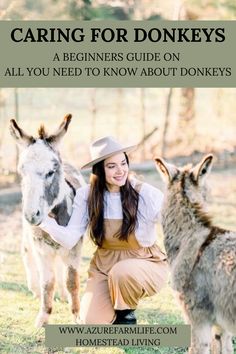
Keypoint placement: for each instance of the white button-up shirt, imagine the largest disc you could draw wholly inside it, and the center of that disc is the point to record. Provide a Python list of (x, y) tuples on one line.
[(149, 207)]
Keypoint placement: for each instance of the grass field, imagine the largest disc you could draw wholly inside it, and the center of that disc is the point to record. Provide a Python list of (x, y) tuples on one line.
[(19, 308)]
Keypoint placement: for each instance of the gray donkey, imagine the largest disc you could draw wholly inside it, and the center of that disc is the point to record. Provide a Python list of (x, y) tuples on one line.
[(48, 186), (202, 258)]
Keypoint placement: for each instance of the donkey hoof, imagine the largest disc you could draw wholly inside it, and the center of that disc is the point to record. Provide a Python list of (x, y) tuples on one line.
[(76, 318), (35, 291), (41, 320), (36, 295), (78, 321)]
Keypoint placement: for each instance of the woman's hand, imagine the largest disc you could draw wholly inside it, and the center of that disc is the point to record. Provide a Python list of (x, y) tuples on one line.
[(52, 215)]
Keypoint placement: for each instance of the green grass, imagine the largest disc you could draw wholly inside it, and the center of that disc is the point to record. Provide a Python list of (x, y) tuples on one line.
[(18, 308)]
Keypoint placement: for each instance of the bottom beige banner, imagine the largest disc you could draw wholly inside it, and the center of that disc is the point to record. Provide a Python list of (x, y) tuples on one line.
[(115, 336)]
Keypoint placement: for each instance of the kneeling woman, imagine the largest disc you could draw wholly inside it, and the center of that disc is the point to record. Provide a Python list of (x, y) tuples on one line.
[(121, 213)]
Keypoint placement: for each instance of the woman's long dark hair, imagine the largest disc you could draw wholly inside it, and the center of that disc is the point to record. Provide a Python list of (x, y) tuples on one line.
[(129, 201)]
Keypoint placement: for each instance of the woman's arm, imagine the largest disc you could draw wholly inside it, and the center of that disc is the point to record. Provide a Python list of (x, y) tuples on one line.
[(68, 236)]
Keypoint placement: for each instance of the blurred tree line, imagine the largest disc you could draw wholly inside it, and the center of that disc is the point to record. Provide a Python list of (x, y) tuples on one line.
[(115, 9), (127, 10)]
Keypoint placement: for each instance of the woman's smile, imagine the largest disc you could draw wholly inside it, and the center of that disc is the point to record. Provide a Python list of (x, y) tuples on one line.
[(116, 172), (119, 178)]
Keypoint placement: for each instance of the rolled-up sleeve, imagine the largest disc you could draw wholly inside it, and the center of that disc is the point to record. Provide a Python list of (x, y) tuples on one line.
[(68, 236), (149, 212), (156, 201), (157, 205), (152, 204)]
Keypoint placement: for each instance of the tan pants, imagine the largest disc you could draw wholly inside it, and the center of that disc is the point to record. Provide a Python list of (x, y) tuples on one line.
[(128, 281), (120, 274)]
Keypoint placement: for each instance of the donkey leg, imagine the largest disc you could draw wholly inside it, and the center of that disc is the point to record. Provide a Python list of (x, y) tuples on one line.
[(201, 339), (72, 262), (31, 270), (73, 288), (47, 286), (60, 279)]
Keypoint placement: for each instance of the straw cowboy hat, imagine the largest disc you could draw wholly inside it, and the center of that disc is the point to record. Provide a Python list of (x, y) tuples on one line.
[(105, 147)]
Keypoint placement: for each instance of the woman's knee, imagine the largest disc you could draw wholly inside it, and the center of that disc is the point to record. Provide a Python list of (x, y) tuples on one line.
[(122, 273), (118, 272)]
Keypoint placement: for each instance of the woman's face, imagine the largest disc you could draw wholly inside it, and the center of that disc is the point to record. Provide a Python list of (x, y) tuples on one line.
[(116, 171)]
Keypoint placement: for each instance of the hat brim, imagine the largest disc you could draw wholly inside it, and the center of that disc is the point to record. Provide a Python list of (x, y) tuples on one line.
[(93, 162)]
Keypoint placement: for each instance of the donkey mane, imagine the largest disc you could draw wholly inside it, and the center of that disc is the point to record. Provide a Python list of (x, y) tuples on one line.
[(200, 214), (48, 140), (42, 132), (204, 218)]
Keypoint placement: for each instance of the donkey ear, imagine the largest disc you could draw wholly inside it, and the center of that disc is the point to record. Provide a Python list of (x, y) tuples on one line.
[(19, 135), (167, 170), (202, 168), (56, 137)]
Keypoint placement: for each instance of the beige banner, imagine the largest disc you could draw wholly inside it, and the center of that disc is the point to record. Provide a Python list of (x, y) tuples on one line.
[(110, 336)]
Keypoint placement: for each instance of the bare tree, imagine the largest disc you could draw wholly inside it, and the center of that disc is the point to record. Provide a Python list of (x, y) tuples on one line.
[(119, 111), (166, 122), (16, 105), (178, 7), (3, 120), (186, 126), (143, 121), (93, 113)]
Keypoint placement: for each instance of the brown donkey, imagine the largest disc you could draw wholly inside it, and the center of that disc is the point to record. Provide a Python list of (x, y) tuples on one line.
[(202, 258), (47, 186)]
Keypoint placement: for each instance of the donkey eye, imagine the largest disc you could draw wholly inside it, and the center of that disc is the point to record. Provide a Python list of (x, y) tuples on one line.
[(50, 173)]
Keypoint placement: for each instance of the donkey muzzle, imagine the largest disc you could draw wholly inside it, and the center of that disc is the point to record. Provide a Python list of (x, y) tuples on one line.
[(34, 218)]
